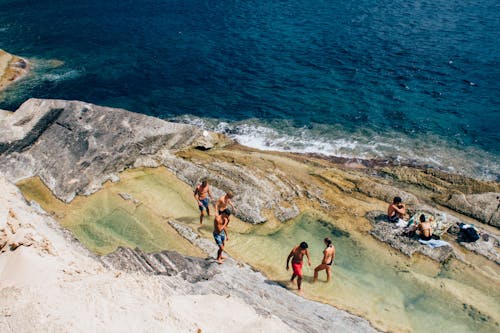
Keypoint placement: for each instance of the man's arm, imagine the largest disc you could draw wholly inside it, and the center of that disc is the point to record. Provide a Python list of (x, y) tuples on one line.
[(308, 258), (226, 229), (216, 207), (230, 202), (197, 195), (288, 259), (401, 210), (210, 195)]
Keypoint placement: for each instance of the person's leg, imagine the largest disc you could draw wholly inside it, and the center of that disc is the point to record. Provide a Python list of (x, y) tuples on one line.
[(293, 277), (317, 270), (299, 282), (220, 260), (201, 213), (328, 273)]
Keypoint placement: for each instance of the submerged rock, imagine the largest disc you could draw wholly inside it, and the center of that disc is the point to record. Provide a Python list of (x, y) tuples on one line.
[(234, 279)]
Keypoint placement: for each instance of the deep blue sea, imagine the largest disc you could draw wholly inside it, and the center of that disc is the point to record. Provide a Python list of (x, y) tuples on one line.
[(409, 81)]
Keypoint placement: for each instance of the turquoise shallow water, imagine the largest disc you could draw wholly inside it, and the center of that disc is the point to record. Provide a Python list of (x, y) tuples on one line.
[(406, 81), (372, 282)]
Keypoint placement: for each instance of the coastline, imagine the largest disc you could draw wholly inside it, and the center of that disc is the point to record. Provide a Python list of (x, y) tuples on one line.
[(12, 69), (272, 187)]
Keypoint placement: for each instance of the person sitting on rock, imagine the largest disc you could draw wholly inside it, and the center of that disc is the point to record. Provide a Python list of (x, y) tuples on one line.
[(424, 229), (220, 225), (396, 210), (326, 264), (297, 254)]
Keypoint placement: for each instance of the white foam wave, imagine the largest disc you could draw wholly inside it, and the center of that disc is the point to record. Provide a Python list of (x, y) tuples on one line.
[(424, 150), (68, 75)]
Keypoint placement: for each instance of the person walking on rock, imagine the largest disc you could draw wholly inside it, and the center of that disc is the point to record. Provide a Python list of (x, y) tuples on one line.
[(326, 264), (203, 195), (220, 225), (297, 256)]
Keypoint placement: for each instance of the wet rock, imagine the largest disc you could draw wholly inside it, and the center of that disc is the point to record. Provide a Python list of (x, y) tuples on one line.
[(125, 196), (239, 280), (255, 190)]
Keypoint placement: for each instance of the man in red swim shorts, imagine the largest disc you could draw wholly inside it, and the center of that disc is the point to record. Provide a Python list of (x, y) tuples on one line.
[(297, 254)]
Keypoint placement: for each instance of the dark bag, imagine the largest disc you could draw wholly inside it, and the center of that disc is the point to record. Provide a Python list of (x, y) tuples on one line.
[(470, 234)]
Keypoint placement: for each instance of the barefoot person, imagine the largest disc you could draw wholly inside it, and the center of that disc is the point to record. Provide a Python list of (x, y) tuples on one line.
[(396, 210), (202, 193), (220, 225), (297, 254), (326, 264)]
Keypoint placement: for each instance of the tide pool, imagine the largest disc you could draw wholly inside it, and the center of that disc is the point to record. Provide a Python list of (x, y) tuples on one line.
[(370, 279)]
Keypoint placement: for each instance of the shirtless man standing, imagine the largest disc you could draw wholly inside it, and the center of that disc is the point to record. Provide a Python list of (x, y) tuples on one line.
[(328, 256), (202, 193), (297, 254), (220, 225), (396, 210)]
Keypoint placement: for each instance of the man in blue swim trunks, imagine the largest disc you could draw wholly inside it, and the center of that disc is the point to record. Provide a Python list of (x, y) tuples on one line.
[(202, 193), (220, 225)]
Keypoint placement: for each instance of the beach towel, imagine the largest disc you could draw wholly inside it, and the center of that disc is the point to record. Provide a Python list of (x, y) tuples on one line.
[(434, 243)]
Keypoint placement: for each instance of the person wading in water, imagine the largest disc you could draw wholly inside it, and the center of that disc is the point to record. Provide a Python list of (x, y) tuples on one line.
[(326, 264), (297, 254)]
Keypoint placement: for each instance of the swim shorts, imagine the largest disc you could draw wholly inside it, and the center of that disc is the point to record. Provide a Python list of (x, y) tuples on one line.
[(297, 268), (204, 203), (220, 238)]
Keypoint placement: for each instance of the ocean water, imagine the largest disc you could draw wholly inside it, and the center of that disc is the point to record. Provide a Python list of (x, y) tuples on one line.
[(409, 81)]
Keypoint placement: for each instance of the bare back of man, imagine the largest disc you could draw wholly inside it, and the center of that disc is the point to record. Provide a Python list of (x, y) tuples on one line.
[(327, 262)]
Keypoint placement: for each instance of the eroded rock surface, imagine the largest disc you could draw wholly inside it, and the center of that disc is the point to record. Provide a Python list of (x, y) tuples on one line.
[(392, 235), (483, 207), (74, 147), (234, 279)]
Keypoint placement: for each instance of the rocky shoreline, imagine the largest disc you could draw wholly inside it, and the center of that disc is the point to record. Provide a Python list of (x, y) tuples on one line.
[(12, 69), (75, 147)]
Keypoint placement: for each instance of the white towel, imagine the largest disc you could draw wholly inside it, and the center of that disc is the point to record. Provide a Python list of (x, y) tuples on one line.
[(434, 243)]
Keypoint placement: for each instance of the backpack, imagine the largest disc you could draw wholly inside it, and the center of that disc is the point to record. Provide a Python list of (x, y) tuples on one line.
[(469, 234)]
